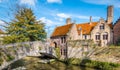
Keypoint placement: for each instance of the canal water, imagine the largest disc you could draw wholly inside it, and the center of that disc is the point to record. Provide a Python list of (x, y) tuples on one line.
[(34, 63)]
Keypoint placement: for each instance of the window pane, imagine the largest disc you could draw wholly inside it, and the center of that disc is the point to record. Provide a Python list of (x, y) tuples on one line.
[(102, 27), (105, 37)]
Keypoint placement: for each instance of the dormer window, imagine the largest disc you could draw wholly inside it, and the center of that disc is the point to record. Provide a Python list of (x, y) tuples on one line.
[(102, 27)]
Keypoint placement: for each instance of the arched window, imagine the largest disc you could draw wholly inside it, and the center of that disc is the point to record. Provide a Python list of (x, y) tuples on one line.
[(105, 36), (102, 27), (97, 36)]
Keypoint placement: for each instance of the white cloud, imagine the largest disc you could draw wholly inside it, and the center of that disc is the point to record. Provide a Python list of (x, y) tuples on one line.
[(29, 2), (48, 22), (87, 17), (54, 1), (59, 19), (1, 1), (116, 3), (2, 23), (82, 17), (63, 15)]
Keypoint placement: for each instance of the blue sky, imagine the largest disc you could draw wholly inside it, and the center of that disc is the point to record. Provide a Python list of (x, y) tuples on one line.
[(55, 12)]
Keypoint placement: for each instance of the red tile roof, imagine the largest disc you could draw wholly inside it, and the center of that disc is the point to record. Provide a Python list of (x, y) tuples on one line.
[(86, 27), (61, 30)]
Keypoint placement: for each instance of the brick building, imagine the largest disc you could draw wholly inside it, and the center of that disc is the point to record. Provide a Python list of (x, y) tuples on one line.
[(116, 30), (100, 32)]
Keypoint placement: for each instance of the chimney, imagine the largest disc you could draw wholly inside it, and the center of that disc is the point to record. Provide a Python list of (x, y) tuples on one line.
[(68, 21), (90, 19), (110, 14)]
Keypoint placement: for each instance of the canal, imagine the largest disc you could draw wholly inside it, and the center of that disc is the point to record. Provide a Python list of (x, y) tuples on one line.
[(35, 63)]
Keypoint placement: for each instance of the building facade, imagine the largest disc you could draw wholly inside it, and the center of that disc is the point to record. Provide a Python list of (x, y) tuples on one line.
[(116, 30), (100, 32)]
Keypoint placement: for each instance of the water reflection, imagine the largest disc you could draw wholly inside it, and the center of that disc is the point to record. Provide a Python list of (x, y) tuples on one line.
[(34, 63)]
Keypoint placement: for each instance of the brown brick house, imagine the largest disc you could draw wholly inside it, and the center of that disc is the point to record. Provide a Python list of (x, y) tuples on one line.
[(116, 30)]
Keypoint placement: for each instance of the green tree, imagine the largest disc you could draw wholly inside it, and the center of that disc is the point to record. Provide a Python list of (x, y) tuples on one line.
[(24, 27)]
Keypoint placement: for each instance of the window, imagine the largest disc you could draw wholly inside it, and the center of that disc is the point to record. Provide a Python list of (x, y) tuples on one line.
[(85, 36), (97, 37), (65, 52), (64, 39), (105, 36), (61, 39), (102, 27)]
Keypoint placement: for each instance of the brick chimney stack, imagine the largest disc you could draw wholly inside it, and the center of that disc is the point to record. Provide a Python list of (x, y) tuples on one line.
[(68, 21), (90, 19), (110, 14)]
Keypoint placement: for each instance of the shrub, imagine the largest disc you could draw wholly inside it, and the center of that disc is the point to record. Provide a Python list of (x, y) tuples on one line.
[(57, 50), (9, 57)]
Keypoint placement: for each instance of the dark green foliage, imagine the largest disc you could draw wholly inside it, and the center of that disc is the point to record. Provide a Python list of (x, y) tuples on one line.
[(24, 27), (9, 57), (92, 64), (57, 50)]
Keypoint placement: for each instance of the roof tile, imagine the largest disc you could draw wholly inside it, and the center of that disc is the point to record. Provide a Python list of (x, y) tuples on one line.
[(61, 30)]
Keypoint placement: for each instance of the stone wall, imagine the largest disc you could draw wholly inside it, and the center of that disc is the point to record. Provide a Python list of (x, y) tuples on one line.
[(103, 54), (12, 52), (106, 29), (73, 34), (78, 48)]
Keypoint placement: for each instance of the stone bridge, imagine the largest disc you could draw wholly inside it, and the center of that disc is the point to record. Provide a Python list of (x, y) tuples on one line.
[(13, 52)]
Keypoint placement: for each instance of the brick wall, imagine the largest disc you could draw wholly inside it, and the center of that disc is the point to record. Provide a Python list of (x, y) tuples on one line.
[(116, 30)]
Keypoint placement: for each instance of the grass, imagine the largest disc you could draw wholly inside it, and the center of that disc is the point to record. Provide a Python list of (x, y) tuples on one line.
[(99, 65), (92, 64)]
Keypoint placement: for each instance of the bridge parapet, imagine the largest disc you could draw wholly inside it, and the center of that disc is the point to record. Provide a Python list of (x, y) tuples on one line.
[(12, 52)]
